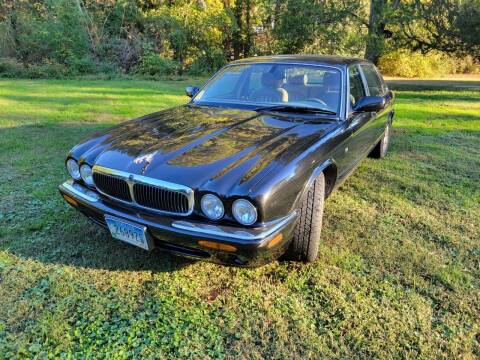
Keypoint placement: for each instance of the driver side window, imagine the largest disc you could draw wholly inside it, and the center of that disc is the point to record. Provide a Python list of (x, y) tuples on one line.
[(356, 85)]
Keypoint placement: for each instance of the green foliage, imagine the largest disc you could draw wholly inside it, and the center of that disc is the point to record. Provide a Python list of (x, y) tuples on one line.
[(47, 69), (68, 38), (450, 26), (319, 27), (190, 34), (11, 68), (54, 33), (408, 64), (207, 63), (466, 65), (153, 64)]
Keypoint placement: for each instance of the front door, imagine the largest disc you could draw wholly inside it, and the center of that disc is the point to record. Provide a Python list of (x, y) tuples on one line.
[(376, 87), (355, 145)]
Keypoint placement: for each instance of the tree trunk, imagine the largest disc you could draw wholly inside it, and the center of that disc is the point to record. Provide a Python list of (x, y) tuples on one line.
[(375, 40), (237, 34), (248, 28), (14, 26)]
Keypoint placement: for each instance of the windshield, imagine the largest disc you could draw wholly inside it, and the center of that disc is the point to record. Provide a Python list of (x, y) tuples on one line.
[(275, 84)]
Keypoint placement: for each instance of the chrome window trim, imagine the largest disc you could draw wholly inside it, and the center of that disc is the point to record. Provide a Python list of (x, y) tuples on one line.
[(132, 179)]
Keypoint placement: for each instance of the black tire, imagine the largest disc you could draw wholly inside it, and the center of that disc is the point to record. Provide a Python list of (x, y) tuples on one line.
[(306, 235), (381, 149)]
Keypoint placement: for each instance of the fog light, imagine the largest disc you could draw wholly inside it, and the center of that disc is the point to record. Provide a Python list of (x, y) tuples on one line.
[(244, 212)]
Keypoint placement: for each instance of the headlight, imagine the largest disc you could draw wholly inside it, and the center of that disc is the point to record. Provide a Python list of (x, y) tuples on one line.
[(212, 206), (73, 170), (244, 212), (86, 173)]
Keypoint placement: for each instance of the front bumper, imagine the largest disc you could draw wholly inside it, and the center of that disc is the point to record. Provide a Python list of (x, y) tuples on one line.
[(181, 236)]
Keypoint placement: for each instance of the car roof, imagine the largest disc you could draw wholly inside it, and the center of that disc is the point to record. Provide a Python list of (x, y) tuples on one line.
[(306, 59)]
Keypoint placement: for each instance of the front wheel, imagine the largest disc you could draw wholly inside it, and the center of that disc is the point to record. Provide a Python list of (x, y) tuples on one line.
[(381, 149), (306, 235)]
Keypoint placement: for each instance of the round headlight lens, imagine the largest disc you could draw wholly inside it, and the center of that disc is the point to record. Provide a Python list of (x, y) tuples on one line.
[(244, 212), (73, 170), (86, 173), (212, 206)]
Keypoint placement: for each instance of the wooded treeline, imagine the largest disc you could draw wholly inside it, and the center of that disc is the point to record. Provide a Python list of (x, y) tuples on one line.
[(62, 37)]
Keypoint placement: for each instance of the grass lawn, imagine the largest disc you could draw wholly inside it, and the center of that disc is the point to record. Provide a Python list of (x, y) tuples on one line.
[(398, 275)]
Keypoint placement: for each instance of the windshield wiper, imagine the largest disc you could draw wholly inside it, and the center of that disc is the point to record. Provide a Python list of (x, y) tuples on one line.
[(296, 109)]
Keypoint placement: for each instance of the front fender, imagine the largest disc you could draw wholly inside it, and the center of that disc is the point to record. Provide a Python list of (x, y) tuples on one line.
[(283, 192), (329, 166)]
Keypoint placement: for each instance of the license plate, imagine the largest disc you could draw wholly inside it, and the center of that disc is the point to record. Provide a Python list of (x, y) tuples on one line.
[(131, 233)]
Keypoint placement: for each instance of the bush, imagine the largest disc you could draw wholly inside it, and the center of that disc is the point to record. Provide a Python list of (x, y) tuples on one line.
[(153, 64), (409, 64), (467, 65), (81, 66), (11, 68), (46, 70), (207, 63)]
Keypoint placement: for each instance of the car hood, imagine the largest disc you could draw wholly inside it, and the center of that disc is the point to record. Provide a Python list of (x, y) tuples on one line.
[(209, 148)]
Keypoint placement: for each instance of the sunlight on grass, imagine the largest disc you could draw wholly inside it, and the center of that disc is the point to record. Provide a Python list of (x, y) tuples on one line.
[(398, 274), (51, 102)]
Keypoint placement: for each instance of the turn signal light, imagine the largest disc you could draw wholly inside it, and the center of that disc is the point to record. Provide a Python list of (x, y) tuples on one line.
[(217, 246), (275, 241), (70, 200)]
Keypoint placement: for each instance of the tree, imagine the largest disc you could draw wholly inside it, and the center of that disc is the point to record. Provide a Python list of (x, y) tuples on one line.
[(319, 26), (382, 13), (450, 26)]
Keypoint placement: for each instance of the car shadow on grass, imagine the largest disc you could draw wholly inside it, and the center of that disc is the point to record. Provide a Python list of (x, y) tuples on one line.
[(35, 221)]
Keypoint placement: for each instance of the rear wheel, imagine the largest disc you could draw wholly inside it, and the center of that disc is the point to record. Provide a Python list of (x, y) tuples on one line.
[(306, 235), (381, 149)]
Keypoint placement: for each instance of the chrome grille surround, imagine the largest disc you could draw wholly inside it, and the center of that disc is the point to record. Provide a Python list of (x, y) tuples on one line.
[(177, 190)]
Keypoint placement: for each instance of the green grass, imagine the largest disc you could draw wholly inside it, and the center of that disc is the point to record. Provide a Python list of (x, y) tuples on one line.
[(398, 275)]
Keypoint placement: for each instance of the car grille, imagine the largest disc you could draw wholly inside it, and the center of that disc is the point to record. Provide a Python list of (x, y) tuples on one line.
[(112, 186), (160, 198), (151, 196)]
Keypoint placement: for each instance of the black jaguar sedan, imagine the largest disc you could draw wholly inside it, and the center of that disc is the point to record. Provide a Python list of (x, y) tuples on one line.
[(240, 173)]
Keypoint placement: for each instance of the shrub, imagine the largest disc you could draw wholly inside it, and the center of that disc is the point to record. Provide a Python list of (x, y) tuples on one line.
[(81, 66), (207, 63), (46, 70), (153, 64), (467, 65), (11, 68), (409, 64)]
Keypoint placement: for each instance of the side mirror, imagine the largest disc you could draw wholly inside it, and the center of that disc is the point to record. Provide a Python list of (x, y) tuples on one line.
[(191, 91), (370, 103)]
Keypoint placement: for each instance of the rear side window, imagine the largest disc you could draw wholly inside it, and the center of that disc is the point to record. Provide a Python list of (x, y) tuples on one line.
[(356, 85), (375, 84)]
